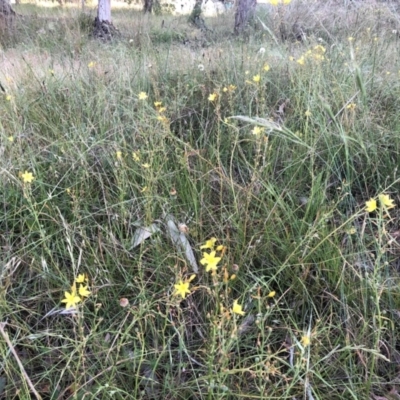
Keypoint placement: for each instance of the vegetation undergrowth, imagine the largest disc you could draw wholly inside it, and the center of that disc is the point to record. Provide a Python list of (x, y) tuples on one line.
[(190, 215)]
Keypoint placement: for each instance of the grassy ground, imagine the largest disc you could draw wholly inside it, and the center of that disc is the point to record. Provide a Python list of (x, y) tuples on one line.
[(271, 146)]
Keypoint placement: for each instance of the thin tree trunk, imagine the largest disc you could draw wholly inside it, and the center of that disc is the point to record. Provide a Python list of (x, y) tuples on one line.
[(103, 27), (195, 15), (196, 12), (5, 9), (104, 11), (148, 6), (244, 13)]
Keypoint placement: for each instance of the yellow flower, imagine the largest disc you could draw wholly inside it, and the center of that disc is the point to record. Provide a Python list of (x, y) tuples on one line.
[(91, 64), (163, 119), (351, 106), (51, 72), (210, 261), (83, 291), (81, 278), (350, 38), (210, 243), (308, 113), (237, 308), (271, 294), (301, 60), (8, 97), (143, 189), (146, 165), (256, 78), (119, 155), (232, 88), (306, 340), (142, 96), (320, 49), (386, 201), (182, 288), (162, 109), (27, 177), (10, 139), (257, 130), (71, 299), (225, 89), (266, 67), (157, 104), (212, 97), (135, 156), (370, 205)]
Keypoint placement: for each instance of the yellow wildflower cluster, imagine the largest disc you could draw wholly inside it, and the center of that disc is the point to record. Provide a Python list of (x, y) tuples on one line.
[(384, 200), (315, 54), (229, 89), (209, 259), (77, 294), (161, 109)]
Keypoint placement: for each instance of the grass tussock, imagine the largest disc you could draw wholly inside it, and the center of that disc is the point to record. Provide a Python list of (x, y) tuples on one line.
[(190, 215)]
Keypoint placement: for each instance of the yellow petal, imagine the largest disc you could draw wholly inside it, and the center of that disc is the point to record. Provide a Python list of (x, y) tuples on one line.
[(306, 340), (209, 244), (370, 205), (83, 291), (80, 278), (386, 201), (237, 308), (182, 288)]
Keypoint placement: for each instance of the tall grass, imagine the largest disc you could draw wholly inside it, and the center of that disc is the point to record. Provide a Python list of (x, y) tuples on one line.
[(271, 146)]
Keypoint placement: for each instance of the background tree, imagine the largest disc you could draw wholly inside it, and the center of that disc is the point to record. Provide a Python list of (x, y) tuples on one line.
[(195, 15), (103, 28), (244, 13), (148, 6), (5, 9)]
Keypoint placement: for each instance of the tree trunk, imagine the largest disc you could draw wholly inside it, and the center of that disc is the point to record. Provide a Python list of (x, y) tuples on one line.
[(195, 16), (104, 11), (5, 9), (244, 13), (148, 6), (103, 28)]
